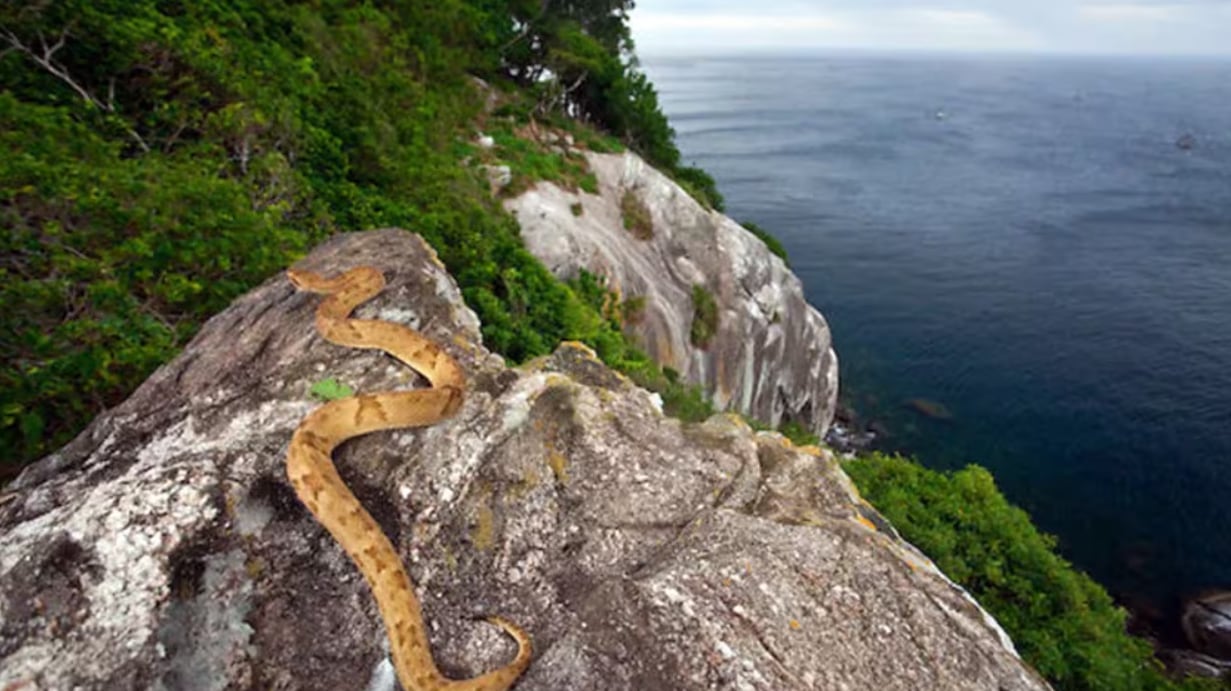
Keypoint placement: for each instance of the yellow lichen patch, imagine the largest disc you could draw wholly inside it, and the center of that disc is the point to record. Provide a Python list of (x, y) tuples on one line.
[(811, 518), (810, 449), (483, 534), (738, 420), (255, 567), (559, 465), (529, 480), (585, 349), (534, 365), (795, 625), (865, 522), (464, 343), (450, 558), (431, 254), (557, 379)]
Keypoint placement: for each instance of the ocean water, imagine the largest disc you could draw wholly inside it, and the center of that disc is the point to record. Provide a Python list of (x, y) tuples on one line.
[(1023, 241)]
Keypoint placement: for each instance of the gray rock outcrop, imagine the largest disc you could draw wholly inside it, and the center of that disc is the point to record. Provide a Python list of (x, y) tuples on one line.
[(772, 356), (163, 548), (1207, 625)]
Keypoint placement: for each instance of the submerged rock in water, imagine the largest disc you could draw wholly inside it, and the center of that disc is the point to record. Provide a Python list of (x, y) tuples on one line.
[(1186, 142), (929, 408)]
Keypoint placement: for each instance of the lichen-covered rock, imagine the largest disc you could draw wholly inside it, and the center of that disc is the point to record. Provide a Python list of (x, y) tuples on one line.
[(772, 356), (163, 548)]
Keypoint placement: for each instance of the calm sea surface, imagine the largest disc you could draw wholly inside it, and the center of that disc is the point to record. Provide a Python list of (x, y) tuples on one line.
[(1022, 241)]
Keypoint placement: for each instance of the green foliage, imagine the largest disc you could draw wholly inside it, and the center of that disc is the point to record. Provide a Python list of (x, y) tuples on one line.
[(330, 390), (180, 153), (680, 400), (579, 59), (704, 316), (771, 242), (111, 261), (798, 434), (587, 137), (532, 161), (700, 185), (633, 309), (636, 216), (1062, 622)]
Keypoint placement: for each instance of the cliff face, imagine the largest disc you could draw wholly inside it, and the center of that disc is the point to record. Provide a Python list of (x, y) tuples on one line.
[(771, 356), (164, 548)]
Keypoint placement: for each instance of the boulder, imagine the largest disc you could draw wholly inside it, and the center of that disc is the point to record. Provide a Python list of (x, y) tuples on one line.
[(164, 548), (772, 356), (498, 177), (1207, 624)]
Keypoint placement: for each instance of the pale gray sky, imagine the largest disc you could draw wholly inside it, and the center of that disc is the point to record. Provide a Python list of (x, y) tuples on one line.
[(1179, 27)]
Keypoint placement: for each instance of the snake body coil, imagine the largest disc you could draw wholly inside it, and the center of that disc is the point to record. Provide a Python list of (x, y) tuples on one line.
[(311, 471)]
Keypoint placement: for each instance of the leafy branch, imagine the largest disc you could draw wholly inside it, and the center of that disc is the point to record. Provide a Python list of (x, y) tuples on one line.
[(44, 55)]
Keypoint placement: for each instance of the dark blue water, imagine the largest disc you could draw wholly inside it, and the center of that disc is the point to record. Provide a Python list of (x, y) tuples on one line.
[(1021, 240)]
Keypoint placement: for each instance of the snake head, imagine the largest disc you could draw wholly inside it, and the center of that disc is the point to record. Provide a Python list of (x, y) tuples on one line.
[(297, 279)]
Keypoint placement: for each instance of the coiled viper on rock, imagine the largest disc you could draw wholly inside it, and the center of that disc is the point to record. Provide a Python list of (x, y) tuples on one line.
[(311, 471)]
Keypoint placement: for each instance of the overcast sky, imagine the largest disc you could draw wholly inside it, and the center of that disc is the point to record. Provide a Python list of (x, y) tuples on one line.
[(1181, 27)]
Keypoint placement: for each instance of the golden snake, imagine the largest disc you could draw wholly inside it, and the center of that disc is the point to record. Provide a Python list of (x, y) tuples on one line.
[(315, 479)]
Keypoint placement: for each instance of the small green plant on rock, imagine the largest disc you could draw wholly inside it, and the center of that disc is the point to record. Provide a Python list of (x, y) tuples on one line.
[(633, 309), (771, 242), (704, 316), (330, 390), (636, 216)]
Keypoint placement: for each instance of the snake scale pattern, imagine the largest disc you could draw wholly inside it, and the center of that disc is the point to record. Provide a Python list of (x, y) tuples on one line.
[(310, 467)]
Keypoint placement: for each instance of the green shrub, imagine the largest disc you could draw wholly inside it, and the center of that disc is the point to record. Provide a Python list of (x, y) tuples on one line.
[(699, 184), (532, 161), (633, 309), (771, 242), (704, 317), (1062, 622), (636, 216), (799, 434)]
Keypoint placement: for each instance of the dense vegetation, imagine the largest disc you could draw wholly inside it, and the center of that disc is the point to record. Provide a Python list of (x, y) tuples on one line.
[(163, 157), (1062, 622)]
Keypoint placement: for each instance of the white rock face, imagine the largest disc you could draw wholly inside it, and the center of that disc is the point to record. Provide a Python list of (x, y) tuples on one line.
[(772, 357)]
